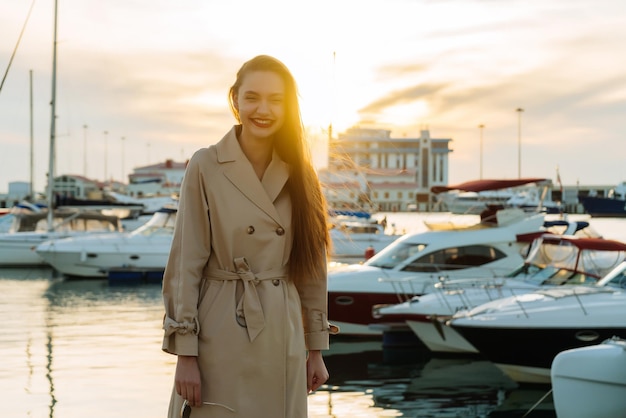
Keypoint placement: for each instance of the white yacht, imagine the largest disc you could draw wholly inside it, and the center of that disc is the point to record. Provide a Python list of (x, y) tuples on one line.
[(30, 229), (147, 247)]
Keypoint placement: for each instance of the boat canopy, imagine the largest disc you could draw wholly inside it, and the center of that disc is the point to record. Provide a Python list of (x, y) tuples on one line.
[(584, 243), (488, 184)]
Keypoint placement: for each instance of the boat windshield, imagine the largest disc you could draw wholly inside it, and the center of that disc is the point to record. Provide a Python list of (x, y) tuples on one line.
[(534, 273), (161, 223), (551, 275), (395, 254)]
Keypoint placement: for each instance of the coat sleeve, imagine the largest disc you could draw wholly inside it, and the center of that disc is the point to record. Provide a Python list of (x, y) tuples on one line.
[(191, 248), (314, 298)]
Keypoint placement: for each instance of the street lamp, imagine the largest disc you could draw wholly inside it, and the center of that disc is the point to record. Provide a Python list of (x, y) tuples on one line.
[(123, 169), (106, 155), (85, 150), (481, 127), (519, 111)]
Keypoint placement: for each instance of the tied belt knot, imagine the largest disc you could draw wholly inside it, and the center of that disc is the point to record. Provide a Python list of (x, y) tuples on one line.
[(249, 313)]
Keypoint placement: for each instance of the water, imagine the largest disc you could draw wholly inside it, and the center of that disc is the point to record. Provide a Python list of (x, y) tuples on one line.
[(75, 348)]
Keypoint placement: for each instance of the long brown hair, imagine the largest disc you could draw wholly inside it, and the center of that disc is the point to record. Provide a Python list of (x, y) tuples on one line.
[(311, 240)]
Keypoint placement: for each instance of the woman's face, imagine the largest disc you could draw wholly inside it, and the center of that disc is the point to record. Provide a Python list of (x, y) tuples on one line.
[(260, 101)]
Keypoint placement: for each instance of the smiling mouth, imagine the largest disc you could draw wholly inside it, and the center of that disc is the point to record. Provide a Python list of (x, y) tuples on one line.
[(264, 123)]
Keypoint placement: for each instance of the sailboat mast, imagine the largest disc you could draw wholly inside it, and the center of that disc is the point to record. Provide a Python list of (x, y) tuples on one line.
[(52, 123), (32, 162)]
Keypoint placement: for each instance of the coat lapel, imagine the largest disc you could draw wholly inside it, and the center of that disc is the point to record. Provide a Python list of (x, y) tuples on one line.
[(240, 173)]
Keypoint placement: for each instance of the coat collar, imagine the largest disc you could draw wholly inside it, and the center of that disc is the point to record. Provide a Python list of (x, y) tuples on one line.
[(239, 171)]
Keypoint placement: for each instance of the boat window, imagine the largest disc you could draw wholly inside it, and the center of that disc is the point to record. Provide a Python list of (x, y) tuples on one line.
[(544, 274), (562, 276), (455, 258), (395, 254), (537, 273)]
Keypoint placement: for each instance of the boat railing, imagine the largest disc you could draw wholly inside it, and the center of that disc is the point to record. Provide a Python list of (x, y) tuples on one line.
[(472, 292), (414, 285)]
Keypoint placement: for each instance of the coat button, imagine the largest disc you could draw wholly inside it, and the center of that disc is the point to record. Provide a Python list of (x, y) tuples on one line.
[(250, 229), (275, 282), (280, 231)]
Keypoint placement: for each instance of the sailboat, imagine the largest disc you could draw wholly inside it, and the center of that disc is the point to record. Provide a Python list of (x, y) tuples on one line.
[(17, 245)]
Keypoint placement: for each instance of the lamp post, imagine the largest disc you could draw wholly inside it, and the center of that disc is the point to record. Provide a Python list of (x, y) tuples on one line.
[(481, 127), (106, 156), (519, 111), (123, 168), (85, 150)]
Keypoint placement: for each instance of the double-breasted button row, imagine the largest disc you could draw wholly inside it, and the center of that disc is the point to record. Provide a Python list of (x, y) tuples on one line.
[(279, 231)]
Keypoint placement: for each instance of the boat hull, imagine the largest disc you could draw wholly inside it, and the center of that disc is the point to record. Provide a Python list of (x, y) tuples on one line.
[(18, 249), (352, 311), (95, 257), (14, 253), (526, 354), (82, 265), (590, 381), (440, 338), (600, 207)]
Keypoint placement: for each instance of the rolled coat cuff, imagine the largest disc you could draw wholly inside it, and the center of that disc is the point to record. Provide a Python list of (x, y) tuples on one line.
[(319, 329), (180, 338)]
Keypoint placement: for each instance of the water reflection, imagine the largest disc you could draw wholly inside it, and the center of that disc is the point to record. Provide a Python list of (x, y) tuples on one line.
[(410, 382), (76, 348), (84, 348)]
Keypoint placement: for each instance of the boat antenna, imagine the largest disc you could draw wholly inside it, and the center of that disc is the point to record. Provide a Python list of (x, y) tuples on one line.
[(52, 122)]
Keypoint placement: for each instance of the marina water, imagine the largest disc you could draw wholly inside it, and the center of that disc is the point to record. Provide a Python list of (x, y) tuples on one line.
[(75, 348)]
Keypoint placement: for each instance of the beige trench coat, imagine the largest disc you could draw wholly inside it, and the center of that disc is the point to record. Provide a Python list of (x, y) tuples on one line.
[(227, 297)]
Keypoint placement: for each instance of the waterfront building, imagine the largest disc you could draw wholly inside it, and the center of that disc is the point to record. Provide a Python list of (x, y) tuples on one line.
[(368, 169), (157, 179), (162, 179)]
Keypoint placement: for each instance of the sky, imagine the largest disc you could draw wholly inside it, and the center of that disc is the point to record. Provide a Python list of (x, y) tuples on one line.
[(141, 82)]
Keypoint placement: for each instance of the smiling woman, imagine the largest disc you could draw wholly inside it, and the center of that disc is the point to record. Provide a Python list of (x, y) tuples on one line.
[(245, 282)]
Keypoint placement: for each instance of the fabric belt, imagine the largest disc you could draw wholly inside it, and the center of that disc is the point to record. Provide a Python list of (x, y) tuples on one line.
[(249, 310)]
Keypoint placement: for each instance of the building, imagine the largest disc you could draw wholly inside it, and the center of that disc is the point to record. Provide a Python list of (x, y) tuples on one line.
[(157, 179), (368, 169), (18, 190), (78, 187), (161, 179)]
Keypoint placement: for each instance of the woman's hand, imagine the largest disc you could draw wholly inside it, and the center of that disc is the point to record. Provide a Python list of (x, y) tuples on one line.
[(187, 380), (316, 372)]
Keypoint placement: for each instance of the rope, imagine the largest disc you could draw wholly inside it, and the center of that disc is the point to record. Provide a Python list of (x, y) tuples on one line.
[(537, 403), (16, 45)]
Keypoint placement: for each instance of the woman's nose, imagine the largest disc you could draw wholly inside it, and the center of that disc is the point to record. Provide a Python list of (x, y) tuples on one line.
[(264, 107)]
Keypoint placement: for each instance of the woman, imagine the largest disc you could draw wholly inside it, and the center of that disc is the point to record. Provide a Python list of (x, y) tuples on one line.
[(245, 284)]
